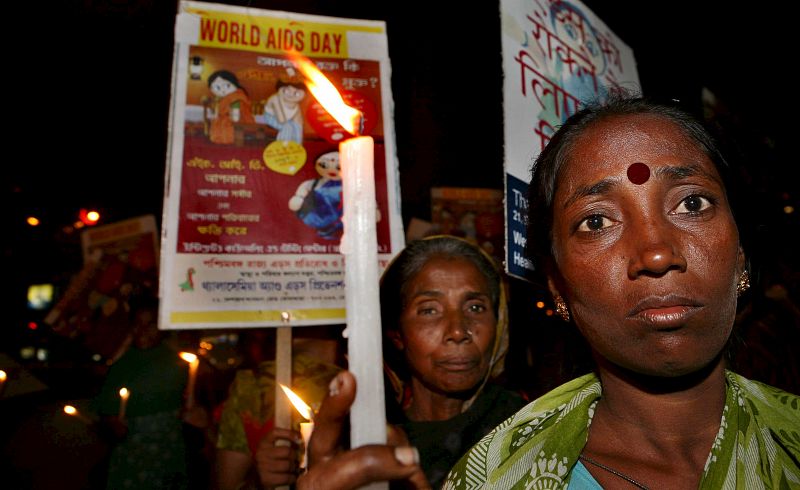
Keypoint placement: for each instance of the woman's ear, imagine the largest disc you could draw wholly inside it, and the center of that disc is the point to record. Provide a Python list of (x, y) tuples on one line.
[(741, 262), (397, 341)]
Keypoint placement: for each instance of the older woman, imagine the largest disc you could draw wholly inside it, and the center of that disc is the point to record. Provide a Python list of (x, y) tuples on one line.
[(631, 224), (444, 320)]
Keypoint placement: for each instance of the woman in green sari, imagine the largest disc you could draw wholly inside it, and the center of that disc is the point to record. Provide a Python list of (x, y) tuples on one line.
[(631, 226)]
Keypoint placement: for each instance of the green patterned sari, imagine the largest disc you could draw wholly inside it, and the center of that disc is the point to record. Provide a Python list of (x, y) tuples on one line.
[(758, 444)]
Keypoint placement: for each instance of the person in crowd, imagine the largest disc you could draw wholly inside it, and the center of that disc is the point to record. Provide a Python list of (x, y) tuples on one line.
[(443, 313), (444, 317), (246, 432), (631, 225), (149, 450)]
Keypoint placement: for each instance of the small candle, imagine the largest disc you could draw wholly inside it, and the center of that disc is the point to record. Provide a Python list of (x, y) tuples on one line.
[(306, 428), (360, 248), (194, 362), (73, 412), (124, 394)]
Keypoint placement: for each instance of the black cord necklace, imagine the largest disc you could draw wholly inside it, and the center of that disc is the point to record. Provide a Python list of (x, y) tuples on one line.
[(613, 471)]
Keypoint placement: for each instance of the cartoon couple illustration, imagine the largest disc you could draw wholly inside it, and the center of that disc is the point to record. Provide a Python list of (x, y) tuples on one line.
[(282, 110)]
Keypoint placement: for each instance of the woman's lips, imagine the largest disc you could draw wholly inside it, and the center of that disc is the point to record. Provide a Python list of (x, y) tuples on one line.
[(458, 364), (665, 311)]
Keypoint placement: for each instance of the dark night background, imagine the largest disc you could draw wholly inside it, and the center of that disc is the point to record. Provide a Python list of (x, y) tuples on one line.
[(88, 88)]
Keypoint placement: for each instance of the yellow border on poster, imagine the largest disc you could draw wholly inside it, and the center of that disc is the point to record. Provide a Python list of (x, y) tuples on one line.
[(255, 316)]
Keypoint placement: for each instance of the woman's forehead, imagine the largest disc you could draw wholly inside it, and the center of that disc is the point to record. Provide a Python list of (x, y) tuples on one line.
[(613, 144)]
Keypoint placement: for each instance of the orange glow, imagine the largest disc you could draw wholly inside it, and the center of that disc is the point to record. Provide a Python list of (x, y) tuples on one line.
[(298, 402), (33, 221), (70, 410), (326, 94), (3, 376), (124, 393), (540, 304), (88, 218), (188, 357)]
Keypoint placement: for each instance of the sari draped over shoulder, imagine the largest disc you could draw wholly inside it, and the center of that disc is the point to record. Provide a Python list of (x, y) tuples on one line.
[(757, 446), (221, 130)]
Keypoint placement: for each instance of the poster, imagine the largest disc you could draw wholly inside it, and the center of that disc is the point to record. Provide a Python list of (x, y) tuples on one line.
[(474, 214), (119, 265), (557, 55), (252, 211)]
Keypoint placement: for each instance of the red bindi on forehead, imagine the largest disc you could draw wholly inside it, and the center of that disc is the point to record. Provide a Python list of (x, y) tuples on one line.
[(638, 173)]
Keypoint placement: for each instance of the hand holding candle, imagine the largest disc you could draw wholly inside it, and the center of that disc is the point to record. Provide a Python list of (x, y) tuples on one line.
[(306, 428), (194, 362)]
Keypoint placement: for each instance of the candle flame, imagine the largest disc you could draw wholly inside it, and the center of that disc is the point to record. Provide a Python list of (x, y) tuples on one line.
[(70, 410), (124, 393), (298, 402), (326, 94), (3, 375), (188, 357)]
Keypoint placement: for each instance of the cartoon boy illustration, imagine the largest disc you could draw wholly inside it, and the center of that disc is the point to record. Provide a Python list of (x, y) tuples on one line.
[(318, 202), (231, 105), (283, 111)]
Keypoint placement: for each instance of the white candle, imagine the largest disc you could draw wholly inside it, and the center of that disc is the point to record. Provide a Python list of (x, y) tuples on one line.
[(360, 248), (306, 428), (124, 394), (194, 363)]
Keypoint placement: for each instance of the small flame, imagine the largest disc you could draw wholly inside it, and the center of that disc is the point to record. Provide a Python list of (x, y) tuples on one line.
[(3, 375), (70, 410), (124, 393), (298, 402), (188, 357), (326, 94)]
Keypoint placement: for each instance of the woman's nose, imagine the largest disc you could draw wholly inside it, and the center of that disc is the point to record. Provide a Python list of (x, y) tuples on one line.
[(457, 329), (655, 249)]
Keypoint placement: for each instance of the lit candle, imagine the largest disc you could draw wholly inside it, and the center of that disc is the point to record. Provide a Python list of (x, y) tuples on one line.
[(306, 428), (124, 394), (360, 248), (194, 362), (73, 412)]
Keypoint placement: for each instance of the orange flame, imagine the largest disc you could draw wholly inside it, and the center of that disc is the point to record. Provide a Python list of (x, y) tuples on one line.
[(298, 402), (70, 410), (188, 357), (124, 393), (326, 94)]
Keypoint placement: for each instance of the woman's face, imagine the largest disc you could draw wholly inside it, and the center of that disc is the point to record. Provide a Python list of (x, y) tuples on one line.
[(648, 271), (447, 326), (221, 87), (328, 166)]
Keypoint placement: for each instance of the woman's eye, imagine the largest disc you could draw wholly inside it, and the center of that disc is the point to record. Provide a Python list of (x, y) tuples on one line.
[(692, 205), (594, 222), (426, 310), (476, 308)]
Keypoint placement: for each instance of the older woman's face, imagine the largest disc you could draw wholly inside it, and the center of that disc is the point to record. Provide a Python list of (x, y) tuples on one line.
[(447, 326), (649, 271)]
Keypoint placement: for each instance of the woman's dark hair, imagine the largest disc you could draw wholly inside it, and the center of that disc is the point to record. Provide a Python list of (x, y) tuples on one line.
[(407, 265), (225, 75), (547, 167)]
